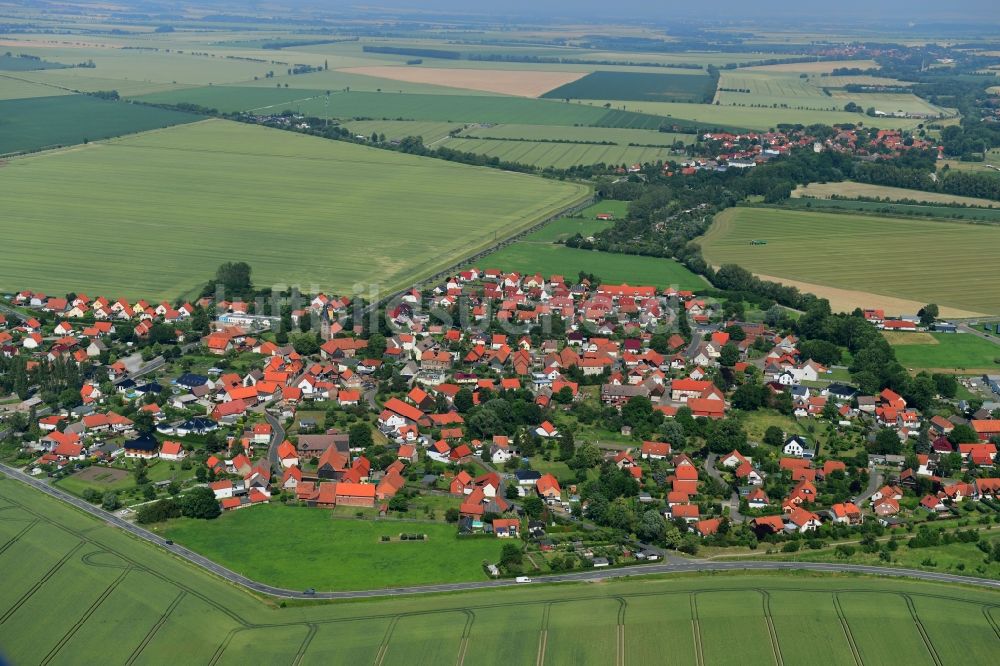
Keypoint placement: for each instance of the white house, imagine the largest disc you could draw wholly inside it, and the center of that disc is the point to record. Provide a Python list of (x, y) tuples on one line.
[(794, 446)]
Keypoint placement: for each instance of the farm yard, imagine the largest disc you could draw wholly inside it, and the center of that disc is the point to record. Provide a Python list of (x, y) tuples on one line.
[(251, 193), (35, 123), (133, 602), (870, 256)]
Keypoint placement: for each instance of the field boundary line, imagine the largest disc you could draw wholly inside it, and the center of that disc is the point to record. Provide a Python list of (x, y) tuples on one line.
[(41, 581), (86, 616), (301, 654), (14, 539), (920, 627), (775, 647), (219, 651), (155, 628), (696, 629), (847, 629), (380, 655)]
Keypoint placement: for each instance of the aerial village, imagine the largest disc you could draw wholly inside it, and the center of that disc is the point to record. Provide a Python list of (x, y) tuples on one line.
[(560, 403)]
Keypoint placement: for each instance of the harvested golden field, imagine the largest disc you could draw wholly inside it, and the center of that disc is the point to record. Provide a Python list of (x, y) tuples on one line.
[(523, 83), (848, 189)]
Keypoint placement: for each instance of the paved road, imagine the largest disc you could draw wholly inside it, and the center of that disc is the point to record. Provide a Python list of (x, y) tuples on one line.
[(965, 328), (874, 483), (277, 437), (734, 499), (588, 575)]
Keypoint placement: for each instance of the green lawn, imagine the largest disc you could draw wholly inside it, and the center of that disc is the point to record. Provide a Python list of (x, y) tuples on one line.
[(585, 223), (863, 253), (300, 547), (949, 351), (35, 122), (528, 257), (254, 194), (129, 601)]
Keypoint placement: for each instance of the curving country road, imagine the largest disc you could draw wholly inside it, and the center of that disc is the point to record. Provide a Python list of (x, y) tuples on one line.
[(588, 575)]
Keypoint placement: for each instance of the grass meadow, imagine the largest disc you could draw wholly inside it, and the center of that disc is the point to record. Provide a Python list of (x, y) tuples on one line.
[(297, 208), (946, 351), (548, 259), (63, 120), (290, 546), (909, 259), (134, 603)]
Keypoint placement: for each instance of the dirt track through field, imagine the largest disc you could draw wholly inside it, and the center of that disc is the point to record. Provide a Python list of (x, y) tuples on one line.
[(523, 83)]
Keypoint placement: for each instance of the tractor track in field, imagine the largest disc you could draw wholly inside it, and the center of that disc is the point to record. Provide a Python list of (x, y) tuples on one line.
[(920, 628), (301, 654), (543, 634), (847, 630), (696, 629), (155, 628), (14, 539), (463, 646), (40, 582), (775, 646), (86, 616)]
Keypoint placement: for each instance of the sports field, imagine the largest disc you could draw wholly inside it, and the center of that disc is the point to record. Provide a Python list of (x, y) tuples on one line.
[(946, 352), (100, 591), (301, 210), (288, 546), (948, 263), (64, 120)]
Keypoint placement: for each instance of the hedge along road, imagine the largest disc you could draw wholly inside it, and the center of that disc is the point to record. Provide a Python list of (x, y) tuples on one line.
[(589, 575)]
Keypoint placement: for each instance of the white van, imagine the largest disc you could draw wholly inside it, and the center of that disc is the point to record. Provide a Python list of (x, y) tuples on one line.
[(522, 579)]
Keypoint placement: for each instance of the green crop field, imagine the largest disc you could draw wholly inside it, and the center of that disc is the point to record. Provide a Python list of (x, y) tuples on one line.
[(622, 137), (721, 116), (431, 132), (638, 86), (867, 254), (585, 223), (896, 209), (301, 210), (261, 544), (63, 120), (548, 258), (559, 155), (12, 87), (75, 586), (14, 63), (406, 106), (946, 351)]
